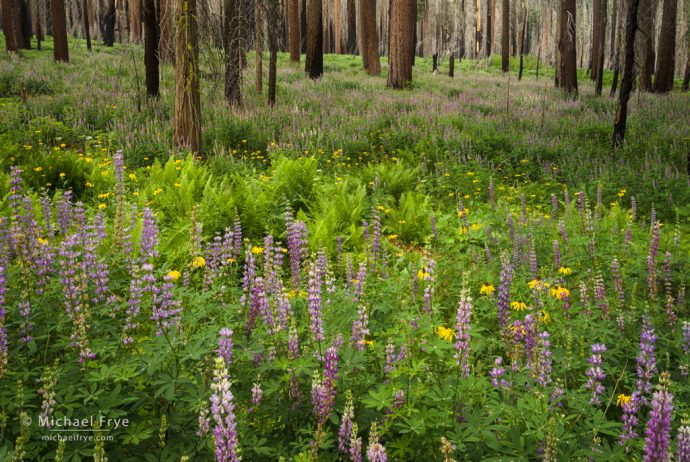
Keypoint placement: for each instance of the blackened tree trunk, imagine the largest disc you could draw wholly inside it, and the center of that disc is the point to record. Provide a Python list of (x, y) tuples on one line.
[(351, 27), (314, 59), (108, 23), (187, 115), (505, 37), (568, 57), (602, 48), (666, 56), (24, 25), (151, 39), (232, 39), (272, 17), (60, 51), (522, 41), (258, 45), (85, 19), (9, 25), (401, 47), (293, 30), (628, 77)]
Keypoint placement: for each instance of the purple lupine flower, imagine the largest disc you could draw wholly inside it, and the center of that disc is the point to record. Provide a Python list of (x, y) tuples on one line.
[(646, 361), (390, 360), (359, 282), (223, 411), (257, 395), (683, 441), (204, 421), (543, 365), (165, 310), (600, 295), (685, 343), (323, 390), (64, 212), (534, 272), (564, 233), (595, 375), (26, 325), (360, 329), (462, 335), (432, 222), (504, 292), (345, 430), (375, 236), (297, 246), (658, 430), (428, 275), (225, 346), (629, 419), (556, 254), (497, 374), (73, 286), (651, 259), (376, 452), (355, 445), (149, 237), (669, 302), (3, 331), (314, 302), (617, 282)]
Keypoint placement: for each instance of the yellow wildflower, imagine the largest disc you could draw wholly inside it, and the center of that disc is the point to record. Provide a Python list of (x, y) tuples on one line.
[(518, 306), (623, 399), (565, 271), (486, 289), (445, 333), (173, 275), (199, 262)]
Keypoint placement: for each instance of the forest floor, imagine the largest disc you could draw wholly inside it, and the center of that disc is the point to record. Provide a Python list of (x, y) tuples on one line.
[(407, 210)]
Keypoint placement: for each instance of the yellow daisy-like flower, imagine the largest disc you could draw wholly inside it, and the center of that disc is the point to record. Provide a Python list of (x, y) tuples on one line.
[(132, 176), (257, 250), (173, 275), (544, 317), (623, 399), (486, 289), (42, 241), (445, 333), (560, 293), (518, 306), (199, 262), (565, 271)]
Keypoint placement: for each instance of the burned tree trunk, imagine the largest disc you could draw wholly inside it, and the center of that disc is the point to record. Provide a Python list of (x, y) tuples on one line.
[(628, 76), (151, 39)]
